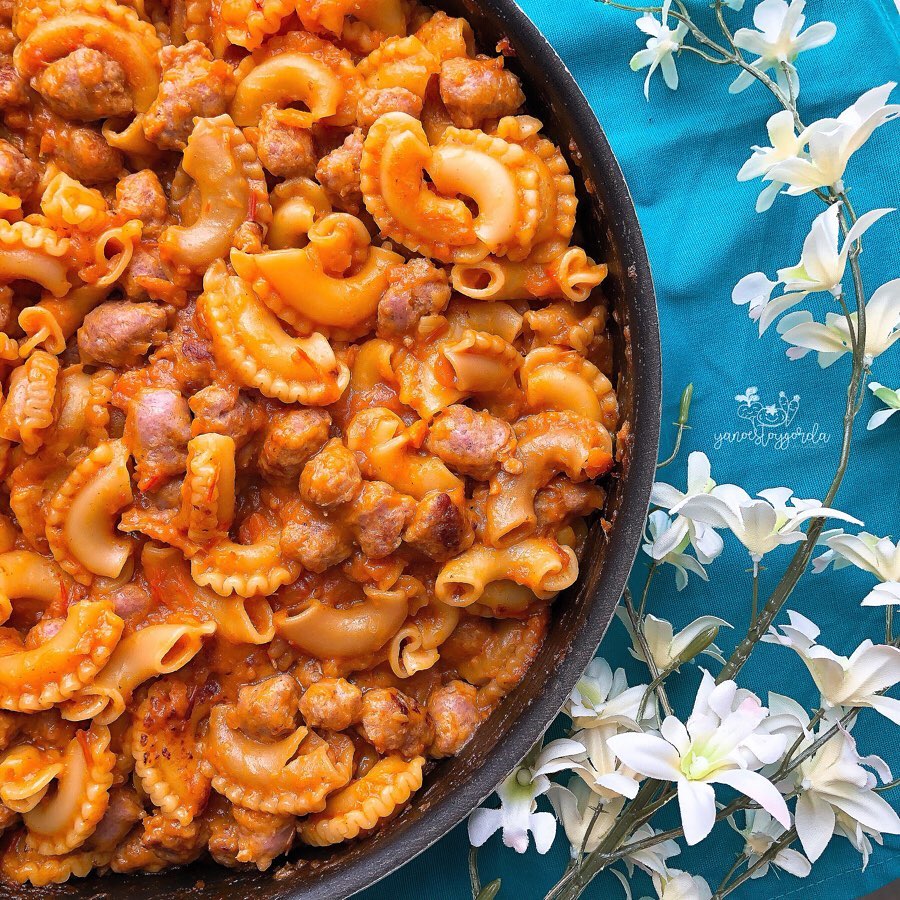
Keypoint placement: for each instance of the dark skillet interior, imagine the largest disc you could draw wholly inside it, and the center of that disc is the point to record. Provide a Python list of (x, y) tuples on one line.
[(610, 232)]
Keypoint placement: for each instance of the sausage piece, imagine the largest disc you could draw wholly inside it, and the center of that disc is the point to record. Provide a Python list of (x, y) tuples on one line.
[(331, 703), (82, 152), (223, 409), (267, 710), (375, 102), (331, 477), (290, 439), (394, 722), (378, 516), (141, 196), (194, 84), (338, 173), (157, 431), (439, 528), (454, 713), (118, 333), (314, 541), (85, 86), (470, 442), (416, 289), (284, 150), (248, 836), (477, 89), (18, 174)]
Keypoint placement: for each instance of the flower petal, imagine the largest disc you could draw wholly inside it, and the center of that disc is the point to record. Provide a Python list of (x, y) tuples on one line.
[(697, 804), (879, 418), (758, 788), (815, 36), (887, 706), (646, 754), (543, 827), (793, 862), (886, 594), (482, 824), (814, 819)]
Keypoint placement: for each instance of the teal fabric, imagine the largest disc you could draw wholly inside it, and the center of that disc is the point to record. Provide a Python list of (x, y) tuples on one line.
[(680, 153)]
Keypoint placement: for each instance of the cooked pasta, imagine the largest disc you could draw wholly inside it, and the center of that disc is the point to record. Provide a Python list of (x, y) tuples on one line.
[(305, 388)]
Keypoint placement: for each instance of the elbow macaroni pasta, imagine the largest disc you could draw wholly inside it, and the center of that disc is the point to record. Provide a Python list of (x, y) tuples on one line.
[(304, 386)]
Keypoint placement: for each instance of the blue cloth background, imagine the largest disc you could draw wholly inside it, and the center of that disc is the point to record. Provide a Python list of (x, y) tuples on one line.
[(680, 153)]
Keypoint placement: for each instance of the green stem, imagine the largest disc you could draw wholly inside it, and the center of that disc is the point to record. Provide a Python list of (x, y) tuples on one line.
[(754, 602), (723, 26), (650, 573), (638, 627), (739, 858), (684, 413), (889, 786), (474, 879)]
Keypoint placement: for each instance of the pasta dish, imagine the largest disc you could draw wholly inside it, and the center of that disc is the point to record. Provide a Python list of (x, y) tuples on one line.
[(306, 396)]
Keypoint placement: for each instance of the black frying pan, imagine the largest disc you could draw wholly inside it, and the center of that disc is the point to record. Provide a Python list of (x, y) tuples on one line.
[(610, 232)]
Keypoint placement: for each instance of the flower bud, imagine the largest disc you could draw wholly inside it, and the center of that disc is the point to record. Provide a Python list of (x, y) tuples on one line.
[(684, 408), (697, 645), (490, 890)]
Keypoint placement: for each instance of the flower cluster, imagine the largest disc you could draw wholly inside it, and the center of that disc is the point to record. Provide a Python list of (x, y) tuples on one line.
[(771, 519), (787, 779)]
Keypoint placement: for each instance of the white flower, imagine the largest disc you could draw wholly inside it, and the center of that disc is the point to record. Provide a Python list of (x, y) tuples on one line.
[(699, 481), (517, 815), (785, 145), (601, 698), (857, 834), (670, 537), (843, 681), (760, 525), (719, 744), (661, 45), (678, 885), (778, 42), (821, 268), (790, 721), (576, 805), (885, 395), (878, 556), (670, 650), (760, 831), (658, 544), (833, 781), (832, 340), (651, 859), (832, 142), (587, 753)]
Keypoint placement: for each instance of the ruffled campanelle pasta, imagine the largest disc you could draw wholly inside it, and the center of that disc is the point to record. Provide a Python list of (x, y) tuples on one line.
[(305, 385)]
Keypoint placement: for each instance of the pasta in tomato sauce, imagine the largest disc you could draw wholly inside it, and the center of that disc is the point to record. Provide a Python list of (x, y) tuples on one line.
[(306, 400)]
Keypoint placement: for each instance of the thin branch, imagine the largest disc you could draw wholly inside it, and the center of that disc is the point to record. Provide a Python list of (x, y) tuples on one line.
[(474, 879), (754, 601), (654, 565), (786, 840), (706, 56), (638, 627)]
